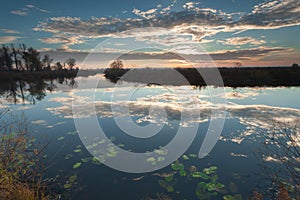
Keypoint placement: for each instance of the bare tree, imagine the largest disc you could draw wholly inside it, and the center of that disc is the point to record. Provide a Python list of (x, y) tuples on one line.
[(47, 62), (71, 62), (117, 64)]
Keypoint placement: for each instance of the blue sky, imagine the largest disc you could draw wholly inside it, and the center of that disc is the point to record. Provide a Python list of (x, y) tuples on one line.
[(252, 32)]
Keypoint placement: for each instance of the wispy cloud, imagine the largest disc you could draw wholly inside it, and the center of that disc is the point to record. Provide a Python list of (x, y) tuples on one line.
[(9, 31), (242, 41), (65, 40), (25, 11), (36, 8), (8, 39), (19, 12)]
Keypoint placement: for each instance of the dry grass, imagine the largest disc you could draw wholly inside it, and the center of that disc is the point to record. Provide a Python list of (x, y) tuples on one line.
[(20, 177)]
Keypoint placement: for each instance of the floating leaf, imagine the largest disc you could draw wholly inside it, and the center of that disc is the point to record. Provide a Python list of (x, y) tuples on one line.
[(233, 197), (85, 160), (168, 186), (151, 160), (73, 178), (60, 138), (297, 169), (121, 145), (182, 172), (76, 165), (67, 185), (185, 157), (169, 178), (160, 158), (177, 166), (162, 152), (210, 170), (77, 150), (193, 155), (68, 156), (200, 175)]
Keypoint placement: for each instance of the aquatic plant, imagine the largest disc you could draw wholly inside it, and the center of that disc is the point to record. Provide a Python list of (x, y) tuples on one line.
[(20, 166)]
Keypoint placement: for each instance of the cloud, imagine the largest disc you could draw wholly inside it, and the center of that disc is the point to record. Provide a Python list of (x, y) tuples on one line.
[(194, 21), (242, 41), (145, 14), (183, 22), (66, 40), (36, 8), (24, 11), (8, 39), (180, 54), (9, 31), (19, 12), (272, 15)]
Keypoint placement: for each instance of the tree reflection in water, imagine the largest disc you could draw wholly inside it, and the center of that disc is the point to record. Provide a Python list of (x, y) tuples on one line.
[(31, 91)]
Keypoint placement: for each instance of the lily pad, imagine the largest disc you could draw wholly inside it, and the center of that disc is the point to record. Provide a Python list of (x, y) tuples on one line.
[(60, 138), (233, 197), (177, 166), (200, 175), (85, 160), (76, 165), (160, 158), (182, 172), (67, 185), (210, 170), (151, 160), (77, 150)]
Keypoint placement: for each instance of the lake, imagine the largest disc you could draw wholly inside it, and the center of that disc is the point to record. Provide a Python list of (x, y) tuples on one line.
[(153, 135)]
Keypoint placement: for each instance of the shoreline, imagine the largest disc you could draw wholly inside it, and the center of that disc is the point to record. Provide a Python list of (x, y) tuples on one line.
[(232, 77)]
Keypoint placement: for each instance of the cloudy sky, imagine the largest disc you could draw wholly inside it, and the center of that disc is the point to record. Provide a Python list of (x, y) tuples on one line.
[(175, 33)]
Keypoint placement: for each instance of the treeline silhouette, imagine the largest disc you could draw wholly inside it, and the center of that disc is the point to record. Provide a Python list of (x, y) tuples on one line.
[(22, 59)]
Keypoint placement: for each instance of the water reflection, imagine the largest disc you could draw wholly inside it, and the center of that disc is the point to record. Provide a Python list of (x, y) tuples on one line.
[(31, 91)]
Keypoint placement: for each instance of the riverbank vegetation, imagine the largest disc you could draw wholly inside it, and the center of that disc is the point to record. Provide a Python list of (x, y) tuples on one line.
[(19, 62), (231, 77), (20, 161)]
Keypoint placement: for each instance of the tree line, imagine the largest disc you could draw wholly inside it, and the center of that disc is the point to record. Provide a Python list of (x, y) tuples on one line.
[(22, 59)]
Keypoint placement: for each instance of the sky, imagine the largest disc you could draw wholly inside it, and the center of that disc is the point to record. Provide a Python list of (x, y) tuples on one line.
[(169, 33)]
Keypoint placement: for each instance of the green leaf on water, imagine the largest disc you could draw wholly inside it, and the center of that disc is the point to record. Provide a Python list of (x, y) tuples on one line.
[(193, 155), (77, 150), (177, 166), (297, 169), (200, 175), (68, 156), (73, 178), (182, 172), (210, 170), (151, 160), (160, 158), (60, 138), (121, 145), (168, 186), (85, 160), (76, 165), (67, 185), (185, 157), (169, 178), (233, 197)]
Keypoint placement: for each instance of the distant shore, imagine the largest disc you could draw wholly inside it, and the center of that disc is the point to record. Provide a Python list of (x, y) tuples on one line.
[(232, 77)]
